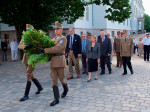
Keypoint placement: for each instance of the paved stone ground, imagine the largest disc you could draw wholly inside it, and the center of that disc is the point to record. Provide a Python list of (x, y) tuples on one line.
[(110, 93)]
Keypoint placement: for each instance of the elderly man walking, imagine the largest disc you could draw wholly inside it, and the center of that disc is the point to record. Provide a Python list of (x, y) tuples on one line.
[(105, 52), (73, 51)]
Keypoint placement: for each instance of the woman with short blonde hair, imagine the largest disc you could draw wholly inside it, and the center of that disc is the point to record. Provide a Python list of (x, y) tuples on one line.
[(94, 37), (93, 56)]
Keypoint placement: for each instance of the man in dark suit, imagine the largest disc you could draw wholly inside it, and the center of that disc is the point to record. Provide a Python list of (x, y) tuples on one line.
[(73, 51), (105, 51)]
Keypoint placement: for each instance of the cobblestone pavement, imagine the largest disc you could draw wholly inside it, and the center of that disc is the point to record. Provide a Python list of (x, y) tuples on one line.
[(110, 93)]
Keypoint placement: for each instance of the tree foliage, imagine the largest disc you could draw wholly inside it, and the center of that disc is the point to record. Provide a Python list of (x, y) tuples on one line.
[(147, 22), (118, 10), (43, 13)]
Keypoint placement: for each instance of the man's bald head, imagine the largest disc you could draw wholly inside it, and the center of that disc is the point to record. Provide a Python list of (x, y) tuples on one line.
[(108, 35), (71, 30)]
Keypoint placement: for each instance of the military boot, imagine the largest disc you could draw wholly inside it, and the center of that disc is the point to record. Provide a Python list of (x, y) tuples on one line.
[(27, 90), (38, 85), (56, 96)]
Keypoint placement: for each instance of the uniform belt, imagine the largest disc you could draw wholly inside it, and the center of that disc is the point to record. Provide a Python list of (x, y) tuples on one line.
[(59, 54)]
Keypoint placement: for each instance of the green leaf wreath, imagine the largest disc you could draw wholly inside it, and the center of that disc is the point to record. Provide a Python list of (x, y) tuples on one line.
[(37, 39)]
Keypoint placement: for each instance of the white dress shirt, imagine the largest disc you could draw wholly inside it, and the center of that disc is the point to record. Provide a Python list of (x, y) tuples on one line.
[(135, 42), (14, 46), (146, 41)]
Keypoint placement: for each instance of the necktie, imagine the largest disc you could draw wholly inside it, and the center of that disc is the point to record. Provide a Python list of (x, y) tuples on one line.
[(70, 42), (83, 47), (103, 39)]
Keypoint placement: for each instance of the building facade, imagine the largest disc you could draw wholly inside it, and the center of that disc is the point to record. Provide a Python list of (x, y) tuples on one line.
[(93, 21), (9, 33)]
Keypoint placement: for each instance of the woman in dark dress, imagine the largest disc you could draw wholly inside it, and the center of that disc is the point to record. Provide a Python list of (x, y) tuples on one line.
[(93, 56)]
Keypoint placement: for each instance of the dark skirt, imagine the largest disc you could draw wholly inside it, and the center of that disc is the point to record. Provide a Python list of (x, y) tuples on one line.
[(92, 65)]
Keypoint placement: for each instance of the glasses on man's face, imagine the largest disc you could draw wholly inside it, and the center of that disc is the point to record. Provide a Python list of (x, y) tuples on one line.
[(83, 36)]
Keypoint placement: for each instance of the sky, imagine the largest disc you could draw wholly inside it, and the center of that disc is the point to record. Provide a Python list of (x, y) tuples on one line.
[(146, 4)]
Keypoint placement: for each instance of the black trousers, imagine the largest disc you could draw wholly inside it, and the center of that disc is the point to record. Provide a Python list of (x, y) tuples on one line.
[(84, 63), (146, 52), (134, 49), (105, 60), (127, 62), (4, 55)]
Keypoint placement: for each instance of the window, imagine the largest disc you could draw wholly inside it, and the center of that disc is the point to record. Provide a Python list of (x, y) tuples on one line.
[(7, 37), (130, 23), (134, 10), (87, 13), (124, 23)]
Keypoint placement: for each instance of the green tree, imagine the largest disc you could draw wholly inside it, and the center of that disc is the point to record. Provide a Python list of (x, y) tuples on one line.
[(147, 22), (43, 13)]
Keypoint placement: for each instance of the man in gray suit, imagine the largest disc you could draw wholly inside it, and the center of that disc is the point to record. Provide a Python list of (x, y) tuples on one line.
[(105, 49), (84, 63)]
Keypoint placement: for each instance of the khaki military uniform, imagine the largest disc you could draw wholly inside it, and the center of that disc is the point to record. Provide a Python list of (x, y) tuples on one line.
[(58, 63), (126, 50), (126, 47), (29, 68), (117, 49)]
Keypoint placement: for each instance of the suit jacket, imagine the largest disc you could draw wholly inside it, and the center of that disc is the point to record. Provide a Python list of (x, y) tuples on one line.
[(25, 56), (76, 47), (59, 47), (105, 47), (117, 44), (95, 52), (87, 42), (4, 44), (126, 47)]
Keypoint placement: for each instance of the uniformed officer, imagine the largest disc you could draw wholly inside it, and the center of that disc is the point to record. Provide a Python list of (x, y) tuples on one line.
[(29, 70), (126, 51), (117, 49), (146, 44), (58, 62)]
